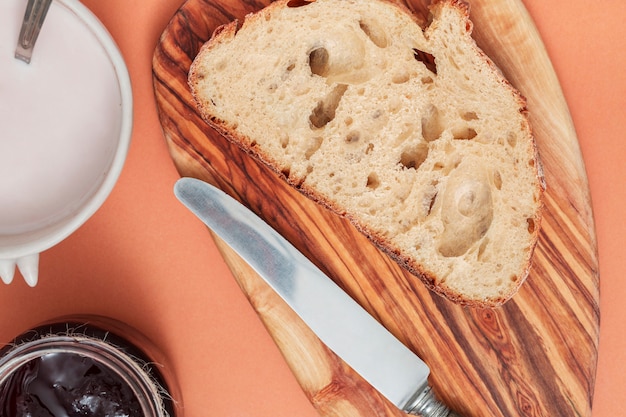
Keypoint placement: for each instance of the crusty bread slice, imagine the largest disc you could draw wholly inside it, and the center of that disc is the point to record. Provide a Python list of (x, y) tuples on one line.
[(412, 133)]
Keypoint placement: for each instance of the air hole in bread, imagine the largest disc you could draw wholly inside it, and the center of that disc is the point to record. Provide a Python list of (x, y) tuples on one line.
[(481, 250), (466, 203), (427, 80), (497, 180), (348, 121), (318, 61), (284, 140), (467, 211), (432, 126), (314, 146), (464, 133), (531, 225), (301, 90), (414, 157), (429, 198), (324, 112), (453, 63), (511, 139), (369, 149), (425, 58), (400, 78), (219, 66), (469, 115), (373, 181), (375, 33), (353, 136), (454, 246), (286, 172), (406, 133), (299, 3)]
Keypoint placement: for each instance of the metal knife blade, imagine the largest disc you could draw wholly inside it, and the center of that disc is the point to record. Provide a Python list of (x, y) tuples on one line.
[(357, 338)]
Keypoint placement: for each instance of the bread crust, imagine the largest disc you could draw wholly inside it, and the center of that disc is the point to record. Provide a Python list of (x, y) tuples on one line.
[(228, 129)]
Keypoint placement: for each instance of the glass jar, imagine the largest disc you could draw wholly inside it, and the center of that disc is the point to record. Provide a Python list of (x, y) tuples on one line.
[(85, 366)]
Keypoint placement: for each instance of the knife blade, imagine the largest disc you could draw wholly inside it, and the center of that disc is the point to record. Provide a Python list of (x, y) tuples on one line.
[(339, 322)]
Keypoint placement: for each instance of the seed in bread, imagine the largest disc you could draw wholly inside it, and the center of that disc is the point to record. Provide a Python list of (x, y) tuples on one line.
[(411, 132)]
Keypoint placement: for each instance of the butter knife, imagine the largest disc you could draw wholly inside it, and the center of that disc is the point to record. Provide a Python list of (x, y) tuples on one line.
[(339, 322)]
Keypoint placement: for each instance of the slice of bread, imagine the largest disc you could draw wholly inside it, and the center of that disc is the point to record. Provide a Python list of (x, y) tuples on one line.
[(410, 132)]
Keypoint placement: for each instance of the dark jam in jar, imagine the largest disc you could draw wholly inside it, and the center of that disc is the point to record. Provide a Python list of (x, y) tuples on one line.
[(67, 384), (78, 369)]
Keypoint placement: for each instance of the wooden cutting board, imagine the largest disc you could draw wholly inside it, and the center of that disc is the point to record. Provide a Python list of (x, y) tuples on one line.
[(535, 356)]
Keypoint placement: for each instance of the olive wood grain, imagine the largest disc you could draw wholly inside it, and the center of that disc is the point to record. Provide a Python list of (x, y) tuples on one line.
[(534, 356)]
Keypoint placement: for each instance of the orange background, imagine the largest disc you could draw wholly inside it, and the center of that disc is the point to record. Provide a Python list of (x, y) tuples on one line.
[(145, 260)]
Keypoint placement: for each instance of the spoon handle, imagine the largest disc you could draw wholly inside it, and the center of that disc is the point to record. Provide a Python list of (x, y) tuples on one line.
[(34, 16)]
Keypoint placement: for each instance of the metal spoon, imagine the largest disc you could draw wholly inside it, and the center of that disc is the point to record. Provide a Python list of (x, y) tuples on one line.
[(34, 16)]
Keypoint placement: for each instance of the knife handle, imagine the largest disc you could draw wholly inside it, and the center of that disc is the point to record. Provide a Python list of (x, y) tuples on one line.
[(426, 405)]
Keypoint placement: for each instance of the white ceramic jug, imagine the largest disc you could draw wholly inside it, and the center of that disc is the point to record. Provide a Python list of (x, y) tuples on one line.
[(65, 128)]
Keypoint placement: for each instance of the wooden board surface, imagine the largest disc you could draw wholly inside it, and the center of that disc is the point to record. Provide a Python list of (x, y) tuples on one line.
[(535, 356)]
